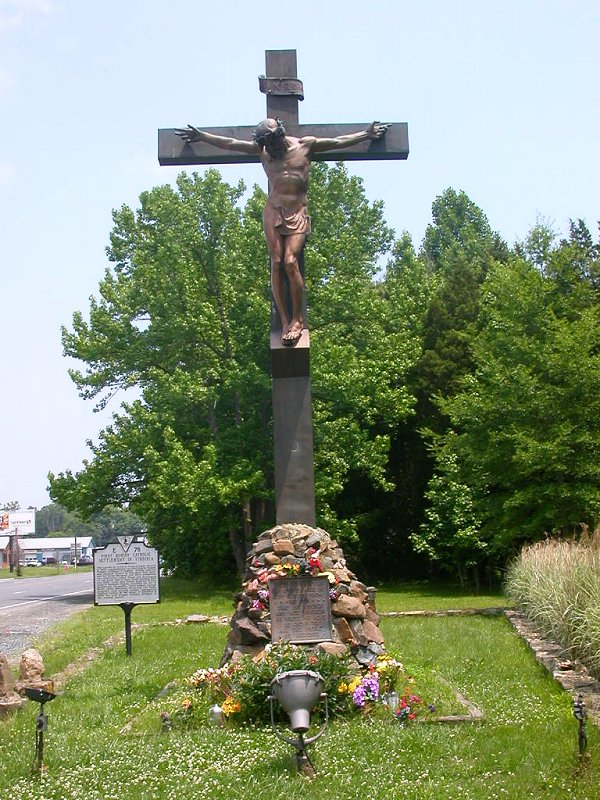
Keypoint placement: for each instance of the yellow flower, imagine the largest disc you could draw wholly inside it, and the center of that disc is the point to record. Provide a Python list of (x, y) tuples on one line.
[(354, 684), (342, 688), (230, 706)]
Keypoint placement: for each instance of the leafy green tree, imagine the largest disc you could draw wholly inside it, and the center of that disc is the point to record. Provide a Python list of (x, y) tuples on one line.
[(459, 247), (519, 459), (179, 318), (438, 292), (182, 317), (55, 520)]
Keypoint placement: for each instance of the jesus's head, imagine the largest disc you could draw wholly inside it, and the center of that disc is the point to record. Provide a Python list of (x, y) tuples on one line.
[(269, 134)]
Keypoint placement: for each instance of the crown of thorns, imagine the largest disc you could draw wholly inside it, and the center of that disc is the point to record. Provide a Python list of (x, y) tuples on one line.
[(265, 129)]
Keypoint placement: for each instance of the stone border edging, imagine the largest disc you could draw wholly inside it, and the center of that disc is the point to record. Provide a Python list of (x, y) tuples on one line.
[(492, 611), (572, 675)]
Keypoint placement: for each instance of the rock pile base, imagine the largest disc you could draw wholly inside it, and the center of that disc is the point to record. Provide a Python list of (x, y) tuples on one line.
[(9, 699), (290, 549), (31, 672)]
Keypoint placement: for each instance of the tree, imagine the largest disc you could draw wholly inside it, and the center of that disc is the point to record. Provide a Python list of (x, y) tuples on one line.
[(183, 317), (179, 318), (519, 459), (55, 520), (438, 290)]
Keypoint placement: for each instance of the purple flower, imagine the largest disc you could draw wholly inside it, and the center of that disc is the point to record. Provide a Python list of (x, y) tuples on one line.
[(368, 689), (358, 696)]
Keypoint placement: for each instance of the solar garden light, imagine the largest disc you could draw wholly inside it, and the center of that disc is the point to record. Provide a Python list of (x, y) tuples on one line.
[(297, 692), (215, 715), (580, 715), (392, 701), (42, 697)]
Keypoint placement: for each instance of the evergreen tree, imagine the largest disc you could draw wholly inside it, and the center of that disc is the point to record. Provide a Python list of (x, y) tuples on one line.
[(518, 460)]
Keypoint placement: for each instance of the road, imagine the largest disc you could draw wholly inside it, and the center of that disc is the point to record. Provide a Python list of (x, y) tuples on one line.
[(28, 606)]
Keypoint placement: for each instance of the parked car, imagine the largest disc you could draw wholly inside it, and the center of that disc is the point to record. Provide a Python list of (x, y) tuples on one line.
[(30, 562), (82, 561)]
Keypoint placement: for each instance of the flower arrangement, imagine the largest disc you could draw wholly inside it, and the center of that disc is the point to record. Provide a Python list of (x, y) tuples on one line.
[(309, 565), (363, 689), (407, 709), (240, 689)]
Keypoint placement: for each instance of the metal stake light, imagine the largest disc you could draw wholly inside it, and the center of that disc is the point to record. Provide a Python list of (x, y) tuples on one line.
[(297, 692), (42, 697)]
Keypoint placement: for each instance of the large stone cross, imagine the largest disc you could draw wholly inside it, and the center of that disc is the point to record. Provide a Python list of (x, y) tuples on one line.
[(292, 411)]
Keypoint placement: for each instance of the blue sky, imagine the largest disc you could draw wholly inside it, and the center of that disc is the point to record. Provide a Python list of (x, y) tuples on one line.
[(501, 99)]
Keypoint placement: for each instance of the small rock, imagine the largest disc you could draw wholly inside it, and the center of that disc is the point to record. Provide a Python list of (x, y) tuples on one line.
[(332, 648), (283, 547), (343, 629), (263, 546), (249, 633), (31, 671), (372, 632), (7, 681), (346, 606)]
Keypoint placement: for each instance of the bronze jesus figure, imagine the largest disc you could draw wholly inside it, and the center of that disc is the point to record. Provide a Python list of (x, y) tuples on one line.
[(286, 161)]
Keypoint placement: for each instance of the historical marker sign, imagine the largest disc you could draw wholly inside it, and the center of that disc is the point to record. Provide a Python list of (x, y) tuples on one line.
[(300, 609), (126, 572)]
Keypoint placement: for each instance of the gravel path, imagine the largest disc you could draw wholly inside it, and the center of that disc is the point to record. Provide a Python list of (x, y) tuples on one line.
[(21, 625)]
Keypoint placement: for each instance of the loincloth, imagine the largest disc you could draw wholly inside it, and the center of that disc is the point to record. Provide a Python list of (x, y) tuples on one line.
[(289, 222)]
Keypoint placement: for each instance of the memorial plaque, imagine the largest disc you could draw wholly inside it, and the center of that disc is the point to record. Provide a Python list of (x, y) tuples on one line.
[(126, 572), (300, 609)]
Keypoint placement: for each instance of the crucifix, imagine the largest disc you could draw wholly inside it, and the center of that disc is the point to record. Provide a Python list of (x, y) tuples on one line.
[(285, 148)]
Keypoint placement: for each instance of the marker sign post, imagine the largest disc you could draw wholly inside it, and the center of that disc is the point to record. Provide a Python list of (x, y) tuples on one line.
[(126, 574)]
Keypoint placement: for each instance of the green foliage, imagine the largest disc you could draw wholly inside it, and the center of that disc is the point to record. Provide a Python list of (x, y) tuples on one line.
[(244, 687), (520, 457), (455, 390), (55, 520), (438, 293), (182, 317)]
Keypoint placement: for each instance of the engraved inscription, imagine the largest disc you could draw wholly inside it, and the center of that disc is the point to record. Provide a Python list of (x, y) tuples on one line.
[(300, 609), (126, 576)]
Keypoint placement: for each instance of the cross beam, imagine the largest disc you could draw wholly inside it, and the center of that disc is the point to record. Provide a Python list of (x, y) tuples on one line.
[(173, 151), (283, 91)]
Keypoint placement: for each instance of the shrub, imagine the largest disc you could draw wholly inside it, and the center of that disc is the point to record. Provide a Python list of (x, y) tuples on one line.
[(557, 585)]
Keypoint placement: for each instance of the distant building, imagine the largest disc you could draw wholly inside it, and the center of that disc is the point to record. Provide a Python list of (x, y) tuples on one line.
[(48, 550)]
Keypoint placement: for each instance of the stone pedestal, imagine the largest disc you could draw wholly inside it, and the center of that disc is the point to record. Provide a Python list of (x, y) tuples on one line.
[(290, 549)]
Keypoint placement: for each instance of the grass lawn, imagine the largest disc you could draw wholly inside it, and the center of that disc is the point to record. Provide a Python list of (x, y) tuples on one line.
[(426, 596), (525, 747), (43, 571)]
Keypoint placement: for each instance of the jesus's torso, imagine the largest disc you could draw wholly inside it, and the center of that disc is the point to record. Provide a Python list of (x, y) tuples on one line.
[(288, 175)]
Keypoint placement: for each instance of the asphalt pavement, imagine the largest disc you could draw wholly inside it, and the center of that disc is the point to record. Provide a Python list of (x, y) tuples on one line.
[(29, 606)]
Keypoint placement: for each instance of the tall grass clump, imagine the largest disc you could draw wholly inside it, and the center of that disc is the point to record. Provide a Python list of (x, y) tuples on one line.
[(557, 586)]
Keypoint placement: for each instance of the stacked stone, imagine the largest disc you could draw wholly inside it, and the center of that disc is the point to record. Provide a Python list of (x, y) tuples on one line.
[(281, 550), (9, 699), (31, 676)]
